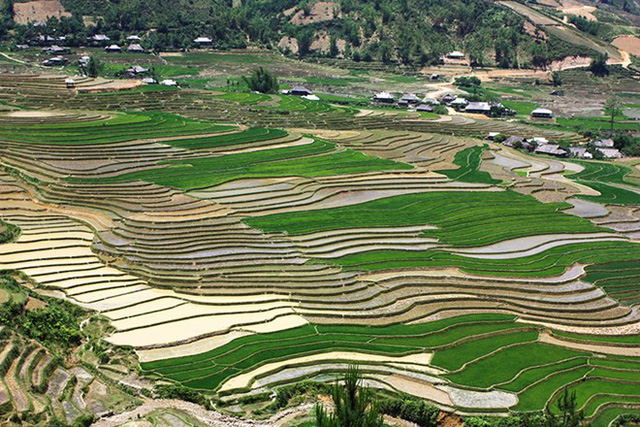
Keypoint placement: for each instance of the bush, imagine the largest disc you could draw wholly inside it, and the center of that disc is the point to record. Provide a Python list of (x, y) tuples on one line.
[(262, 81), (441, 110), (8, 232), (170, 391), (598, 66), (410, 409), (467, 81), (286, 393)]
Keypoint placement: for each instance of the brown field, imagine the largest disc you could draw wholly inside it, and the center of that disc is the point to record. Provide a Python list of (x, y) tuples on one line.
[(572, 7), (629, 44), (38, 10), (320, 11)]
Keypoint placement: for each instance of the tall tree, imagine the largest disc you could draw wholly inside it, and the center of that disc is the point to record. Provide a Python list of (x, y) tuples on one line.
[(598, 66), (304, 38), (353, 404), (568, 406), (613, 108), (262, 81), (93, 67)]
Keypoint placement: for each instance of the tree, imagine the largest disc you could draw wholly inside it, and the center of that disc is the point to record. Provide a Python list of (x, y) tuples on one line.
[(262, 81), (556, 80), (304, 38), (567, 406), (613, 108), (7, 11), (598, 66), (333, 46), (540, 56), (93, 67), (353, 404)]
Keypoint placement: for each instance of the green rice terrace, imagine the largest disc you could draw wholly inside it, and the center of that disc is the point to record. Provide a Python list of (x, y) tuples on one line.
[(238, 250)]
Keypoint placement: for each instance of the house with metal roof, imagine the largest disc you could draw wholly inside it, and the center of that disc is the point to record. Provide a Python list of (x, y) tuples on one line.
[(542, 113)]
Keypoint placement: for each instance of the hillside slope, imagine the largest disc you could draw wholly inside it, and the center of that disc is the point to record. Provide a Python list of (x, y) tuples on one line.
[(414, 32)]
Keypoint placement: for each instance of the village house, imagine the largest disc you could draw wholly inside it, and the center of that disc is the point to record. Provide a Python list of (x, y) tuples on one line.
[(409, 98), (550, 150), (114, 48), (135, 71), (424, 108), (169, 82), (604, 143), (610, 153), (430, 101), (478, 108), (384, 98), (43, 39), (300, 91), (133, 38), (99, 38), (512, 141), (70, 83), (448, 98), (203, 41), (580, 152), (459, 104), (149, 81), (456, 55), (135, 48), (55, 50), (435, 76), (56, 61), (542, 113)]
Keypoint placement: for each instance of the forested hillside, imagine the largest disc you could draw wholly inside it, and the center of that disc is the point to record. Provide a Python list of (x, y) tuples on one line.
[(407, 31)]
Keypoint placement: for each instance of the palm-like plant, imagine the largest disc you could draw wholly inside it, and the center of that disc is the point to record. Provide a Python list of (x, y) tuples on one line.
[(353, 404)]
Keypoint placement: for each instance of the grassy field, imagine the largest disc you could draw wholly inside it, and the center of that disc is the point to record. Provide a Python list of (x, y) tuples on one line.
[(121, 127), (320, 158), (469, 161), (463, 219), (365, 227)]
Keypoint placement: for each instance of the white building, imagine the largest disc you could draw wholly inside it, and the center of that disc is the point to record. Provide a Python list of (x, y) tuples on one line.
[(542, 113)]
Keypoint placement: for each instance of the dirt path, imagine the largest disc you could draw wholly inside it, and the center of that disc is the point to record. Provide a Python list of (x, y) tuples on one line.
[(439, 89), (10, 58), (596, 348), (626, 58)]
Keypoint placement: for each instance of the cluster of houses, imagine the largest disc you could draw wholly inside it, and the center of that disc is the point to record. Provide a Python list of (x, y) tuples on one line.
[(133, 46), (412, 101), (540, 145), (408, 100)]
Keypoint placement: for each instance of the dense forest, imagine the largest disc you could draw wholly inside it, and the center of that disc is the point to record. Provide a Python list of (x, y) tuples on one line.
[(412, 32)]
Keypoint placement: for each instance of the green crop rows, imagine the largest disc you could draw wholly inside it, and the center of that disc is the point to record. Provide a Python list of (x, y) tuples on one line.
[(469, 171), (320, 158), (121, 128), (463, 218), (248, 136)]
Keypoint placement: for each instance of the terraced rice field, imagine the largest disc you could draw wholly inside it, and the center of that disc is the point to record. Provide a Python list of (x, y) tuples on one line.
[(33, 380), (237, 256)]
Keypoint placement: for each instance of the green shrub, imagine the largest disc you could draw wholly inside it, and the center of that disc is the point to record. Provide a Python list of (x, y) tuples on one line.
[(169, 391), (410, 409)]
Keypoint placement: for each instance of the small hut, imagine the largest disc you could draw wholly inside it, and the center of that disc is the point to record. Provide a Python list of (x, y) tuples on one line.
[(114, 48), (135, 48), (542, 113), (300, 91)]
